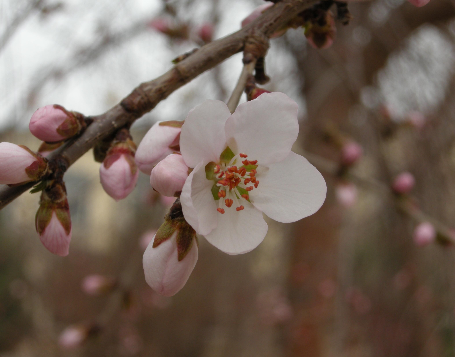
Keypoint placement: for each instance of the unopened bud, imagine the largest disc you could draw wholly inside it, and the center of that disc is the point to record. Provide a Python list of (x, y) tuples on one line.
[(119, 173), (54, 123), (74, 336), (346, 194), (98, 284), (351, 152), (321, 34), (205, 32), (161, 140), (171, 257), (403, 183), (53, 220), (18, 164), (169, 176), (424, 234), (419, 3)]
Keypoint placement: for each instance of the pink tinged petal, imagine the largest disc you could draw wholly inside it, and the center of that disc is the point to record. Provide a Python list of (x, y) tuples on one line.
[(55, 238), (290, 190), (198, 205), (202, 137), (163, 271), (238, 232), (13, 162), (169, 176), (264, 128), (46, 120), (119, 179), (158, 143)]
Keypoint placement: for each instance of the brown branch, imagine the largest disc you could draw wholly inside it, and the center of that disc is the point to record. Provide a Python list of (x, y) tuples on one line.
[(147, 95)]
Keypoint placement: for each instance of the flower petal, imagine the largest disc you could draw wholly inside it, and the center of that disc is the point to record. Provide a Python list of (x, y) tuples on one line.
[(198, 205), (290, 190), (202, 137), (264, 128), (238, 232)]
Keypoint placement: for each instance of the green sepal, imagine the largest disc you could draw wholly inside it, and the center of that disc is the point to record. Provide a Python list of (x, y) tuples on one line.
[(185, 239), (39, 187), (164, 233), (249, 168), (227, 155), (43, 217), (209, 171), (242, 191), (215, 190)]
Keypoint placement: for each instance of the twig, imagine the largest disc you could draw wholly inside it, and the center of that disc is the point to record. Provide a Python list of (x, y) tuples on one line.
[(147, 95), (233, 101)]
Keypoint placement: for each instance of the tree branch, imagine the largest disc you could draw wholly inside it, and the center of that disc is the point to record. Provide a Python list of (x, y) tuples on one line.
[(147, 95)]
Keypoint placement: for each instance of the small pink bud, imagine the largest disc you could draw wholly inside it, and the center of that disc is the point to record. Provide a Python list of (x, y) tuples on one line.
[(258, 12), (419, 3), (417, 120), (351, 152), (403, 183), (119, 173), (346, 194), (159, 24), (205, 32), (18, 164), (74, 336), (424, 234), (163, 271), (161, 140), (98, 284), (169, 176), (54, 123), (53, 221), (321, 36)]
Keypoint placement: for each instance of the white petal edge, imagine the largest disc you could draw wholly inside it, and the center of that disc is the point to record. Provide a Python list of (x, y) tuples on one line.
[(238, 232), (198, 205), (264, 128), (202, 137), (290, 190), (163, 272)]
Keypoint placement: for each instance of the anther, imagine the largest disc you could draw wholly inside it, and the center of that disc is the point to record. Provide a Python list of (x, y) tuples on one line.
[(239, 208), (228, 202), (221, 193), (254, 162), (247, 181), (220, 210), (216, 169), (224, 182), (249, 188), (245, 162), (242, 171), (245, 196), (233, 169), (243, 155), (221, 175), (256, 184)]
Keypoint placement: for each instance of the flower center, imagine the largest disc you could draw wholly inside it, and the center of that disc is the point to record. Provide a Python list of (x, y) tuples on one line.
[(233, 182)]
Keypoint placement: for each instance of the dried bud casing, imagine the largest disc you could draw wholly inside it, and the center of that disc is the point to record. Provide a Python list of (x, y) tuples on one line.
[(320, 31), (118, 173), (171, 256), (169, 176), (53, 123), (18, 164), (160, 141), (53, 220)]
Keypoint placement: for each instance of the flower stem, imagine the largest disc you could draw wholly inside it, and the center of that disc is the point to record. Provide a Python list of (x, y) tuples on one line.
[(233, 101)]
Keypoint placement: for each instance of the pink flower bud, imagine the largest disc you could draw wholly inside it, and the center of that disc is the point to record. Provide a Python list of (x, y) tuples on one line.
[(424, 234), (403, 183), (346, 194), (19, 165), (321, 36), (169, 176), (74, 336), (161, 140), (98, 284), (119, 175), (54, 123), (159, 24), (350, 153), (164, 272), (205, 32), (258, 12), (419, 3), (53, 221)]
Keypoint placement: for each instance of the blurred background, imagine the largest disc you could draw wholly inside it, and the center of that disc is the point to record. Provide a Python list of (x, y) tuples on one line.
[(354, 279)]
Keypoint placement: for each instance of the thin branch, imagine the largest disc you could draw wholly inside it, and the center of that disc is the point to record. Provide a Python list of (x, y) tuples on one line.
[(233, 101), (147, 95)]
